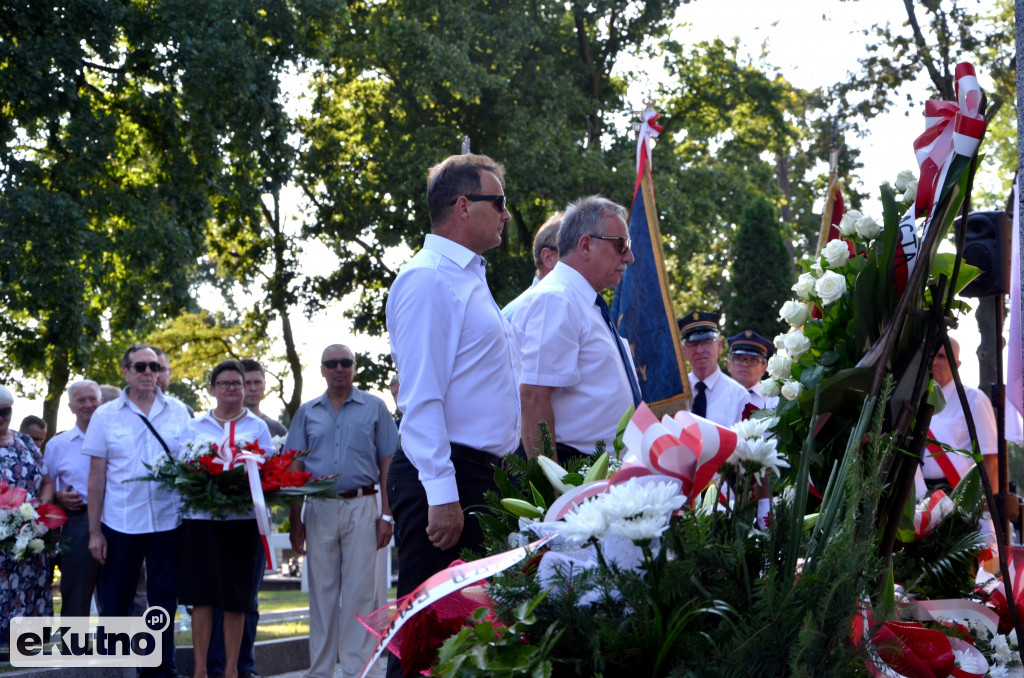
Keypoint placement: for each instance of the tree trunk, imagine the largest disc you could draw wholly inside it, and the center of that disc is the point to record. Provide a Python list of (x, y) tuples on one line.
[(56, 384)]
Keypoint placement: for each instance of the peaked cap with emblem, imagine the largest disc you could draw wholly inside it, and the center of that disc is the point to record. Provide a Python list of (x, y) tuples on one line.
[(749, 342), (699, 325)]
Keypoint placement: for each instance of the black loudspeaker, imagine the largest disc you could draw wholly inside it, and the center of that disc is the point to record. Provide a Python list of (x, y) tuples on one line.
[(987, 244)]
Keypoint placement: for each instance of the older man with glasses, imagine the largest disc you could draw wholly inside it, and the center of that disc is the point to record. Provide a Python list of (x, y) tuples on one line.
[(715, 396), (577, 372), (748, 361), (132, 521), (349, 433)]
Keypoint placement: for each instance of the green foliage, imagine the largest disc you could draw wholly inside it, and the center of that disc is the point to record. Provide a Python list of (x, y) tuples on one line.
[(762, 273), (943, 564)]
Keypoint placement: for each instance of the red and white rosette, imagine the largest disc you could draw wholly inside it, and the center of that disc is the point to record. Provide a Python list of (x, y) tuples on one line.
[(686, 447), (230, 456), (645, 137), (928, 518), (950, 128)]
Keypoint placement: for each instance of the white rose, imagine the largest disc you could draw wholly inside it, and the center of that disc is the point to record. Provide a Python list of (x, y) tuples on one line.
[(904, 178), (830, 287), (836, 253), (816, 270), (794, 312), (780, 342), (769, 388), (36, 546), (791, 390), (27, 511), (797, 344), (847, 223), (780, 366), (867, 228), (804, 285), (910, 192)]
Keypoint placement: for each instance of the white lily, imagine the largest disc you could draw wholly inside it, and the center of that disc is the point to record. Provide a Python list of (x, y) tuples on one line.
[(554, 473)]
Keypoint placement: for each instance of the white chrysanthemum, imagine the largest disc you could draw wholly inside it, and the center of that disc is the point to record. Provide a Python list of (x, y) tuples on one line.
[(28, 511), (1001, 651), (847, 225), (751, 428), (830, 287), (780, 366), (585, 523), (764, 452), (647, 526), (640, 496), (804, 286), (797, 344), (794, 312), (791, 390), (836, 253)]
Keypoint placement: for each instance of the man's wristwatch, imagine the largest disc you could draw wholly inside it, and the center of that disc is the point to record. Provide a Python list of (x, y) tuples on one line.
[(388, 519)]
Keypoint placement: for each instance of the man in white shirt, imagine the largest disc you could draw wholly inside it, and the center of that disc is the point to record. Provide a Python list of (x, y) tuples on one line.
[(715, 396), (950, 427), (577, 373), (132, 521), (545, 256), (455, 356), (748, 361), (79, 571)]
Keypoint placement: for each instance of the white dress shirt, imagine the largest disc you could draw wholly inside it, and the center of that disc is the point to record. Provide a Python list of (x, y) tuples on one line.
[(118, 434), (566, 344), (758, 399), (206, 429), (511, 307), (67, 465), (950, 427), (456, 360), (726, 397)]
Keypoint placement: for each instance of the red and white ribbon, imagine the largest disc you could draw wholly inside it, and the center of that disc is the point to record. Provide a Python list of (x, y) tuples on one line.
[(926, 520), (230, 456), (645, 137), (950, 128)]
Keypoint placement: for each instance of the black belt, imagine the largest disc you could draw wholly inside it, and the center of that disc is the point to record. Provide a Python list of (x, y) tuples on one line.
[(358, 492), (471, 455)]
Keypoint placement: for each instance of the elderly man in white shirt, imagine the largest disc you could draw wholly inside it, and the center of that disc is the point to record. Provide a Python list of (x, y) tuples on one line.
[(950, 427), (79, 571), (715, 396), (577, 373), (132, 521), (748, 361), (455, 356)]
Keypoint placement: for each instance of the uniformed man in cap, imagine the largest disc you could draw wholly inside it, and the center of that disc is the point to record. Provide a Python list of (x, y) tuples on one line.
[(748, 360), (715, 396)]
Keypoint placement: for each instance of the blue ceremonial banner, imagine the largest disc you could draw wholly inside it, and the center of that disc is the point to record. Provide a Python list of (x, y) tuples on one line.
[(642, 309)]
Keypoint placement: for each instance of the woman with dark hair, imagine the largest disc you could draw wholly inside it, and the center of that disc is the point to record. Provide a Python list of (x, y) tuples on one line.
[(25, 584), (219, 556)]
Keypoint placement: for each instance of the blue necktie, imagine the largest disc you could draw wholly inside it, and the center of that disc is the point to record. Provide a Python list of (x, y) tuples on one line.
[(700, 401), (606, 314)]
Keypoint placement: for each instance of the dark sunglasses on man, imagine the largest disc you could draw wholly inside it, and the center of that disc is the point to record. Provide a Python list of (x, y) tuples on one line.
[(621, 243), (498, 200), (344, 362), (153, 367), (6, 412)]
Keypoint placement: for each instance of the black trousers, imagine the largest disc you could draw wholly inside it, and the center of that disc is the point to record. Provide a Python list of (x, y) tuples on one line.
[(417, 557)]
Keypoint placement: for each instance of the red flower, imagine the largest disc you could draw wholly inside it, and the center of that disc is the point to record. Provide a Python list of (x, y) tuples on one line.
[(915, 651), (211, 466), (12, 496), (423, 635), (51, 516)]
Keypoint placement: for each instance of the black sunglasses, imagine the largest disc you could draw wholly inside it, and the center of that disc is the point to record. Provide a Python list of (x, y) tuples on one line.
[(498, 200), (154, 367), (6, 411), (623, 243), (344, 362)]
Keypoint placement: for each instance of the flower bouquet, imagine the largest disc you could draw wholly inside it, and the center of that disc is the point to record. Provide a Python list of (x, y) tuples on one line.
[(26, 526), (212, 477)]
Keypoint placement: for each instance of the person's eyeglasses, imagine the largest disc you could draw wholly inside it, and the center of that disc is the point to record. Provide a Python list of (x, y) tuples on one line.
[(6, 411), (154, 367), (498, 200), (623, 243), (344, 362), (229, 385), (741, 359)]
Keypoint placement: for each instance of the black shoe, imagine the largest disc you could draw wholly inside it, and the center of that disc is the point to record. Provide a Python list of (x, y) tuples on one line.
[(248, 674)]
